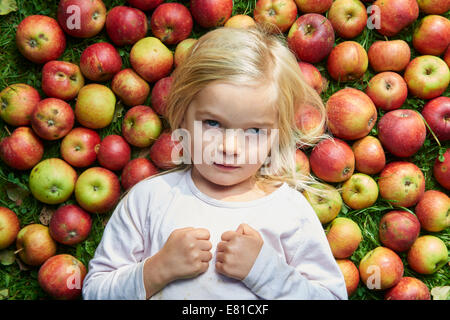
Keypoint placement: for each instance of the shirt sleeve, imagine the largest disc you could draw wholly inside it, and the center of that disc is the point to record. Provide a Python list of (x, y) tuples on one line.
[(312, 272), (116, 270)]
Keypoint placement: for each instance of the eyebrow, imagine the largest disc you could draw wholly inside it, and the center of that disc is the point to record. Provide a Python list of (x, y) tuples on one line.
[(214, 116)]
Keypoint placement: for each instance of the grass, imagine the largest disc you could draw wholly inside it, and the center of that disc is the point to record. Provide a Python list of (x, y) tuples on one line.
[(20, 282)]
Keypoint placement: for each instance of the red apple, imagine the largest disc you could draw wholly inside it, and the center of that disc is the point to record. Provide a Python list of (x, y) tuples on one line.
[(432, 35), (61, 79), (240, 21), (9, 227), (125, 25), (22, 150), (70, 224), (351, 114), (332, 160), (35, 244), (95, 106), (388, 90), (402, 132), (427, 77), (381, 268), (427, 254), (311, 37), (131, 89), (401, 183), (347, 61), (78, 147), (350, 273), (136, 170), (151, 59), (393, 55), (61, 276), (408, 288), (17, 103), (100, 62), (171, 23), (113, 152), (160, 92), (433, 211), (395, 15), (302, 162), (369, 155), (434, 6), (326, 201), (141, 126), (82, 19), (278, 15), (310, 122), (348, 17), (447, 56), (52, 119), (40, 39), (211, 13), (441, 170), (437, 114), (312, 76), (182, 50), (398, 230), (313, 6), (145, 4), (360, 191), (163, 152), (344, 237)]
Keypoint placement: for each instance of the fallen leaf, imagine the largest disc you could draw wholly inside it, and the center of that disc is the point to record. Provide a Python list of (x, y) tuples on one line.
[(7, 6), (46, 215), (4, 293), (441, 293), (7, 257), (16, 193)]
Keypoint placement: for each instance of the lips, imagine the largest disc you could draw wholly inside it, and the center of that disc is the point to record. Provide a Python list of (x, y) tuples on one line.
[(224, 165)]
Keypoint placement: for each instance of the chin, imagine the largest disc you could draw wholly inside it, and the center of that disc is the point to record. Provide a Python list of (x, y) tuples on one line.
[(218, 177)]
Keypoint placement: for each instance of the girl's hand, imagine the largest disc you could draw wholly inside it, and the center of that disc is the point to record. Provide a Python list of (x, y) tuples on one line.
[(237, 252)]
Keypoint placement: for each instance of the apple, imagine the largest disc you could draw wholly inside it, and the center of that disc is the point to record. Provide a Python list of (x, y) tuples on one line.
[(52, 119), (100, 61), (312, 76), (211, 13), (97, 190), (408, 288), (240, 21), (434, 6), (89, 19), (162, 149), (95, 106), (332, 160), (113, 152), (381, 269), (441, 170), (40, 39), (348, 17), (310, 121), (360, 191), (182, 50), (427, 254), (302, 163), (125, 25), (61, 276), (344, 237), (35, 244), (437, 114), (17, 102), (61, 79), (427, 77), (131, 89), (398, 230), (350, 273), (433, 211), (52, 181), (369, 155), (311, 37), (277, 15), (401, 183), (388, 90), (160, 93), (313, 6), (145, 5), (22, 150), (70, 224), (402, 132), (432, 35), (78, 147), (136, 170), (141, 126), (151, 59), (395, 15), (9, 227), (393, 55), (326, 201), (447, 56), (351, 114), (347, 61), (171, 23)]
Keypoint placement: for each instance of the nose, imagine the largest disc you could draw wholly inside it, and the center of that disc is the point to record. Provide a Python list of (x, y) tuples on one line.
[(231, 144)]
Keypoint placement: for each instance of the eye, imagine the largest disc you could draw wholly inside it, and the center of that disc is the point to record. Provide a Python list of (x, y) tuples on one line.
[(212, 123)]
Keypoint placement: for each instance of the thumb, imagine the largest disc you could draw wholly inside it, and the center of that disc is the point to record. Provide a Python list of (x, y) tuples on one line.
[(240, 229), (247, 230)]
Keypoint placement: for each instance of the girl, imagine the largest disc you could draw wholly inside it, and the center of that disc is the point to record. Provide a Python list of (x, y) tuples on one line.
[(215, 227)]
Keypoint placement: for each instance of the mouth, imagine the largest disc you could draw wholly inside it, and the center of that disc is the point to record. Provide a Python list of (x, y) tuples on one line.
[(225, 167)]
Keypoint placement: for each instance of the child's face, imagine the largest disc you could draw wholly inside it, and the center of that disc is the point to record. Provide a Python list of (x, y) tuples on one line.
[(232, 125)]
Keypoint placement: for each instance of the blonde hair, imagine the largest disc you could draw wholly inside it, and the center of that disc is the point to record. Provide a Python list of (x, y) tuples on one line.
[(246, 56)]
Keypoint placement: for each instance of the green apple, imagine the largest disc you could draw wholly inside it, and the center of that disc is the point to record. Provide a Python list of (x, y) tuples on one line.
[(360, 191), (427, 254), (326, 202), (95, 106)]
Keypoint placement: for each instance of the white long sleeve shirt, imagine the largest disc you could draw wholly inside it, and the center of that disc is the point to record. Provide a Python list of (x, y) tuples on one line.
[(295, 261)]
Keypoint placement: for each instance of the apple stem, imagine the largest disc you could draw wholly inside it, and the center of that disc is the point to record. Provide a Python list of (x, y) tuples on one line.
[(17, 251), (7, 130)]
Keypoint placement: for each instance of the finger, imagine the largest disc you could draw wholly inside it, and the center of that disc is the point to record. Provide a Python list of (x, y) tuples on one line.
[(222, 246), (204, 267), (240, 229), (220, 256), (219, 267), (201, 233), (228, 235), (205, 256), (204, 245)]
